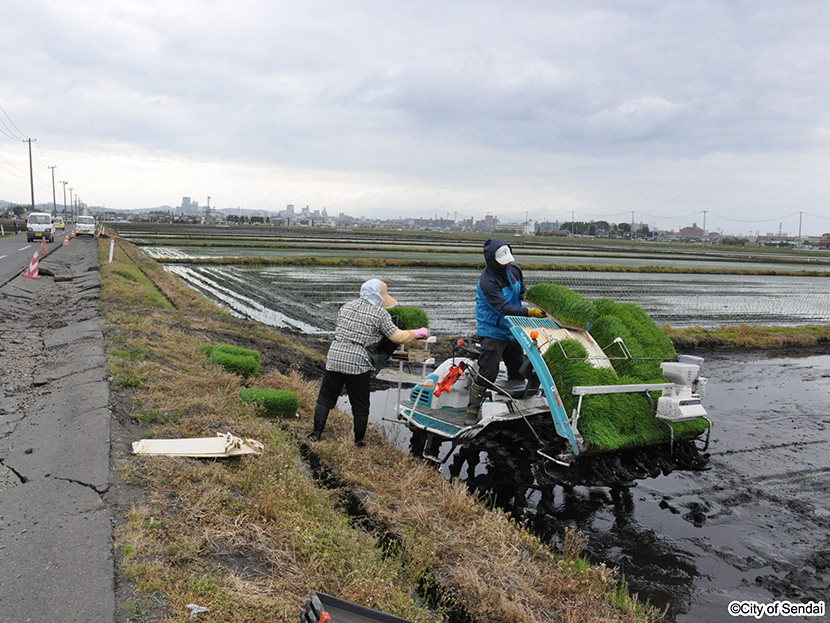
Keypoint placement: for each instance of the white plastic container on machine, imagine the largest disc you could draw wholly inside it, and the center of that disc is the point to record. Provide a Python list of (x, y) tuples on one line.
[(680, 373)]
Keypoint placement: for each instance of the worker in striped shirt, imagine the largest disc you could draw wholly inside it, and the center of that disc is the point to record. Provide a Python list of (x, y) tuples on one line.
[(360, 323)]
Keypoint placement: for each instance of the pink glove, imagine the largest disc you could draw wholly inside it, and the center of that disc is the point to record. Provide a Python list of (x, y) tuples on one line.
[(423, 332)]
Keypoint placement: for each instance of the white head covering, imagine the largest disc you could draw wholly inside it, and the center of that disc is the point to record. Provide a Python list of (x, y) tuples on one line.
[(503, 255), (374, 291)]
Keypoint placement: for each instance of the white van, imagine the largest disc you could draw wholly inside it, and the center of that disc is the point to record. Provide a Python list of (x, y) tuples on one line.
[(85, 226), (39, 225)]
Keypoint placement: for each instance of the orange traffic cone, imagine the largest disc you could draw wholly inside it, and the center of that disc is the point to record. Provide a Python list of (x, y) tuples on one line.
[(73, 234), (31, 273), (65, 241), (43, 248)]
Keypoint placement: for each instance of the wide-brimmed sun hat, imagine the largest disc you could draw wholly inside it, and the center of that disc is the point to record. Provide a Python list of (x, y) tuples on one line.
[(375, 292)]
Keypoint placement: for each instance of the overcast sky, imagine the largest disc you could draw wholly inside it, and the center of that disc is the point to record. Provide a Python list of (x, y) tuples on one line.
[(452, 108)]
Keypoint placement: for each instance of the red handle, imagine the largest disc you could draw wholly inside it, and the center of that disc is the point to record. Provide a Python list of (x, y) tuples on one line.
[(445, 384)]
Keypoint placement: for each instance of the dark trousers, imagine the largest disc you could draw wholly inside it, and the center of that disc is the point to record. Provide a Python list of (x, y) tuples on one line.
[(357, 388), (492, 352)]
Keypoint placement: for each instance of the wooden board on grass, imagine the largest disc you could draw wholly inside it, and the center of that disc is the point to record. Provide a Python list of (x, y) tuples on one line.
[(223, 445)]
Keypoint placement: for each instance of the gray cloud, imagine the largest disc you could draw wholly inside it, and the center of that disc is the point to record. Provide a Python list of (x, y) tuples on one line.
[(467, 104)]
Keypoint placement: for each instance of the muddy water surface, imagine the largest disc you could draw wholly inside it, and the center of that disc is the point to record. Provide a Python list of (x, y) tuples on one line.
[(754, 527), (307, 298)]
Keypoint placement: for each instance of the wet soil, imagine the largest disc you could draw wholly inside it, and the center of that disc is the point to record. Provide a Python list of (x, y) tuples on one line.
[(755, 526)]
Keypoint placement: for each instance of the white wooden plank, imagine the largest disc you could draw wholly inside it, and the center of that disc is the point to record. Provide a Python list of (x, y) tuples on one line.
[(222, 445)]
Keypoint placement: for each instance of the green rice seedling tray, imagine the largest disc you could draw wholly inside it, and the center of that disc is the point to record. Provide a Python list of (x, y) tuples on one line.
[(407, 317), (607, 343), (272, 402), (235, 359)]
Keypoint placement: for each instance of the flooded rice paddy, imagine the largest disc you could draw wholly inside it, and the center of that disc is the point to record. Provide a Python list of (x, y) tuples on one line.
[(466, 252), (307, 298)]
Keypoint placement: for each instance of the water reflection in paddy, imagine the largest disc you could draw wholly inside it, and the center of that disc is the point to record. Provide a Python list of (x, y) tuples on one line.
[(568, 257), (309, 297)]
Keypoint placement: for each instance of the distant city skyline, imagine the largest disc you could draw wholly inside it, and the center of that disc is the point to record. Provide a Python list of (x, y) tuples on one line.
[(781, 230)]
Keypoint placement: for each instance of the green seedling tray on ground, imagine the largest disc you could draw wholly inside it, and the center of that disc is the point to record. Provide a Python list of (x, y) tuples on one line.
[(272, 402), (242, 361)]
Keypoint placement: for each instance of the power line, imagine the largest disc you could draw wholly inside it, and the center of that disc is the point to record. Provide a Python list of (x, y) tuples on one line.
[(5, 132), (11, 164), (817, 216), (671, 216), (43, 162), (22, 136), (755, 220), (10, 172)]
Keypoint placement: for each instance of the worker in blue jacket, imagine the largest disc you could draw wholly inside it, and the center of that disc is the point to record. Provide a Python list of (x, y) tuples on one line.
[(499, 293)]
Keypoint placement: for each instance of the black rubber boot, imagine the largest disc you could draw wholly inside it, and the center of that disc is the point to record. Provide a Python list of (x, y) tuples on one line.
[(360, 424), (477, 396), (321, 414)]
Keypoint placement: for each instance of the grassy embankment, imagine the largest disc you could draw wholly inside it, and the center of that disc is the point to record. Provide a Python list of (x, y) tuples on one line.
[(751, 337), (250, 537)]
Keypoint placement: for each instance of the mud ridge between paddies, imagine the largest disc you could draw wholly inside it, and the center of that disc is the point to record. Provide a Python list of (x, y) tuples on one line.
[(250, 537), (381, 262)]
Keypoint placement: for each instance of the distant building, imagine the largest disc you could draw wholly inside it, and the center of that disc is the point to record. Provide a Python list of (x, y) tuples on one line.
[(547, 228), (691, 233), (465, 224)]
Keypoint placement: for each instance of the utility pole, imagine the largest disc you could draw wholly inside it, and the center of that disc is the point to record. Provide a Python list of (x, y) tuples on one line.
[(632, 225), (54, 203), (71, 203), (704, 221), (799, 226), (64, 200), (573, 223), (31, 173)]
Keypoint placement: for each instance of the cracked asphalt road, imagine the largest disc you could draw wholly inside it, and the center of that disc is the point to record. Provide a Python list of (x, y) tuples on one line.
[(56, 556)]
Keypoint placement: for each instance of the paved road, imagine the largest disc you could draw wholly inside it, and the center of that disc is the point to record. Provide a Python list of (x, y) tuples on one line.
[(56, 559), (16, 254)]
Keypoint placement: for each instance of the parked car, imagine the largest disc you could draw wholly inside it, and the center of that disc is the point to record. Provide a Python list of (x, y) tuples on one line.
[(39, 226), (85, 226), (57, 223)]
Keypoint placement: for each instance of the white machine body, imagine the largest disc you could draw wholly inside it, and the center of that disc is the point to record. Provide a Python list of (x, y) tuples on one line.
[(683, 400)]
